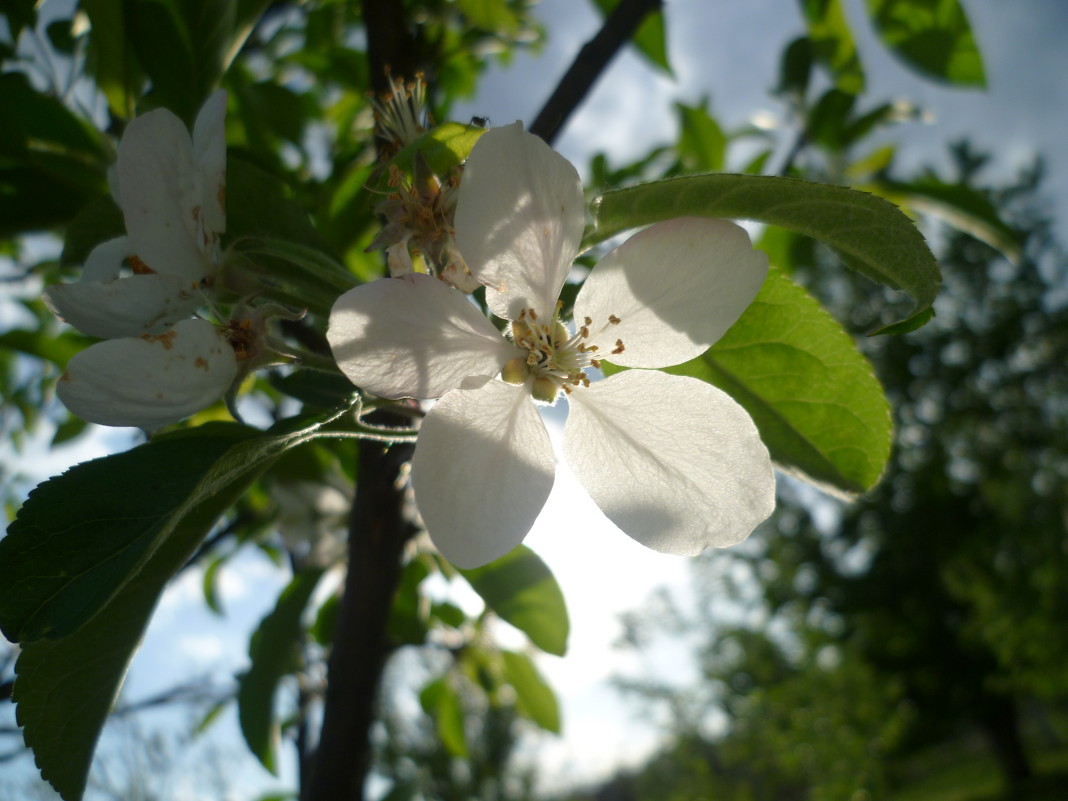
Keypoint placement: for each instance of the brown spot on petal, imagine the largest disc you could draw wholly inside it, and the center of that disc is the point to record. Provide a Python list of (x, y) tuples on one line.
[(139, 267), (65, 377), (166, 339), (201, 362)]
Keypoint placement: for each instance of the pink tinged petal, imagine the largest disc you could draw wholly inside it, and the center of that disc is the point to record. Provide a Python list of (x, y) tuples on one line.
[(413, 337), (159, 195), (674, 288), (673, 461), (124, 307), (519, 220), (150, 381), (209, 153), (482, 470)]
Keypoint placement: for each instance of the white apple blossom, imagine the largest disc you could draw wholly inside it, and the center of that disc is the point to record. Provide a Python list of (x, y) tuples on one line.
[(170, 188), (674, 462), (140, 291)]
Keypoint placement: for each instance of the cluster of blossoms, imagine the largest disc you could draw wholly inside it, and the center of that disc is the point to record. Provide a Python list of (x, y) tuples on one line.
[(673, 461), (158, 363)]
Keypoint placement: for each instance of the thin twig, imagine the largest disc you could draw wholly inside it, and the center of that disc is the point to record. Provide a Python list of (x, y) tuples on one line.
[(591, 61)]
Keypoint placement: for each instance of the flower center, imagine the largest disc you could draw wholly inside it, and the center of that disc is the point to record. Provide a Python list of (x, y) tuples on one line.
[(556, 359)]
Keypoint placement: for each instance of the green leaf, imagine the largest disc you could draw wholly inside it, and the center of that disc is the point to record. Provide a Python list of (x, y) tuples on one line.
[(650, 38), (828, 119), (20, 14), (322, 628), (44, 344), (871, 234), (490, 15), (521, 589), (444, 147), (407, 618), (813, 396), (69, 429), (275, 653), (51, 161), (702, 144), (440, 701), (832, 43), (959, 206), (210, 582), (182, 46), (96, 222), (110, 58), (795, 68), (83, 535), (314, 388), (293, 273), (65, 687), (448, 614), (535, 699), (260, 205), (933, 38)]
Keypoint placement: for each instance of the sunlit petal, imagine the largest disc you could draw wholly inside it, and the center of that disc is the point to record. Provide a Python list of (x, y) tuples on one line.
[(674, 288), (209, 153), (413, 337), (150, 381), (673, 461), (159, 196), (124, 307), (519, 220), (482, 471)]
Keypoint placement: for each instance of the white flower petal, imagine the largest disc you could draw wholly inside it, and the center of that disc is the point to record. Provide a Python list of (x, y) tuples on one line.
[(519, 220), (209, 153), (675, 288), (157, 184), (104, 262), (413, 337), (124, 307), (482, 470), (150, 381), (673, 461)]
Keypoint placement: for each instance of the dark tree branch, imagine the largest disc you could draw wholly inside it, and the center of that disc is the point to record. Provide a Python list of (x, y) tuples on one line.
[(378, 533), (591, 61), (378, 528), (391, 48)]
